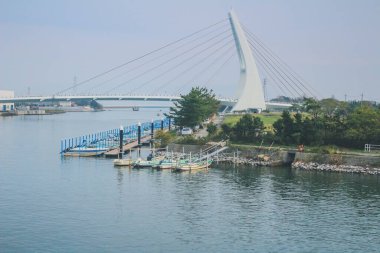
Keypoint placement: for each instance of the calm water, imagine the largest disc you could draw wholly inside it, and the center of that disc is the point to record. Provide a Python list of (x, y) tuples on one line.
[(49, 204)]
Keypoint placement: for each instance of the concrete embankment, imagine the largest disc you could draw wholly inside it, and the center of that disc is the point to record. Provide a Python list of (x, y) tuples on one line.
[(348, 163), (252, 157), (364, 164)]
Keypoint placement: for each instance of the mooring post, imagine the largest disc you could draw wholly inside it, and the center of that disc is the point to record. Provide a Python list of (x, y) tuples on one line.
[(162, 124), (139, 139), (207, 161), (151, 129), (121, 143), (151, 136)]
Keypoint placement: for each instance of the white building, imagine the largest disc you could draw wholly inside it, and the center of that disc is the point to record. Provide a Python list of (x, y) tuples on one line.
[(6, 107)]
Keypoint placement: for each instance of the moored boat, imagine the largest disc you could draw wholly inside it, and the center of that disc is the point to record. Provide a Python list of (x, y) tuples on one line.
[(193, 166), (122, 162), (141, 163), (170, 164), (85, 151)]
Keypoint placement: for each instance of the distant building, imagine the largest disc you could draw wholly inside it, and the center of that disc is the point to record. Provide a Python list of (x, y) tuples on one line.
[(7, 107), (65, 103)]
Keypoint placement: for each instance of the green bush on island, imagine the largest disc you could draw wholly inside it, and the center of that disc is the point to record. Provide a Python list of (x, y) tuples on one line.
[(163, 138), (212, 129)]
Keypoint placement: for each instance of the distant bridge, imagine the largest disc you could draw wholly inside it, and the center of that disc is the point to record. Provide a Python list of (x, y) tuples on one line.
[(74, 98), (253, 56)]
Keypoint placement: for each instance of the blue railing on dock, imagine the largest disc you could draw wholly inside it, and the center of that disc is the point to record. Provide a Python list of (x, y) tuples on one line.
[(110, 139)]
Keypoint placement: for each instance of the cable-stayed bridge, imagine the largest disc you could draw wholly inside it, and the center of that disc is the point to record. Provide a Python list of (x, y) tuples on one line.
[(193, 60)]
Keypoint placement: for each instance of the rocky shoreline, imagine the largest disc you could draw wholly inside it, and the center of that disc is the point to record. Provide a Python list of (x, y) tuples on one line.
[(335, 168)]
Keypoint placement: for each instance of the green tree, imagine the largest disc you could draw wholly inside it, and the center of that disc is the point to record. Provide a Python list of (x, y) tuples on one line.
[(163, 138), (312, 106), (195, 107), (284, 128), (248, 128), (363, 126), (211, 128)]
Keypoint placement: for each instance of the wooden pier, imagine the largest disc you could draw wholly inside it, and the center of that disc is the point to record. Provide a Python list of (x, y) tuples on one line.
[(112, 153)]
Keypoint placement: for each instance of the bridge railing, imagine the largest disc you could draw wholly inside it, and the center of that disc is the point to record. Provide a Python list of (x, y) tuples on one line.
[(110, 138), (371, 147)]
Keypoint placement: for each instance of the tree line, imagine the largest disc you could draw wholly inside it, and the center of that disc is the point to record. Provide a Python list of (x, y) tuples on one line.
[(324, 122)]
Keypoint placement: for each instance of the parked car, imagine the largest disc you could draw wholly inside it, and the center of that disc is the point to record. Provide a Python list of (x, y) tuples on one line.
[(186, 131)]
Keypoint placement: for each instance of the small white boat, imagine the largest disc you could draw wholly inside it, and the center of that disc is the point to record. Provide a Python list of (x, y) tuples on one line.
[(140, 163), (194, 166), (85, 151), (122, 162)]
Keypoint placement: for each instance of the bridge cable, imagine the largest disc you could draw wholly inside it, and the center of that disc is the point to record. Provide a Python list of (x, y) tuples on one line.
[(190, 81), (173, 58), (293, 73), (220, 68), (276, 60), (268, 67), (154, 59), (274, 76), (282, 73), (280, 62), (140, 57), (277, 87), (197, 64), (182, 62)]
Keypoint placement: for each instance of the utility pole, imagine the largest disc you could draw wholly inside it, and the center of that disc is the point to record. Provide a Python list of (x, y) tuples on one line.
[(361, 98)]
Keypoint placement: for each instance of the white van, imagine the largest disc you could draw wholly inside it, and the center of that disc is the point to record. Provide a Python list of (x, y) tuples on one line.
[(186, 131)]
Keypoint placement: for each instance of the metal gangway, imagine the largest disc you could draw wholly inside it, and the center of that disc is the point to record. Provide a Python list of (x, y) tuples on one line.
[(371, 147), (212, 151)]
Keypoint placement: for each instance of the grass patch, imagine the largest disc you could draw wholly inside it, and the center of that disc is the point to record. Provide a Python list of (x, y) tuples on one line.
[(267, 118)]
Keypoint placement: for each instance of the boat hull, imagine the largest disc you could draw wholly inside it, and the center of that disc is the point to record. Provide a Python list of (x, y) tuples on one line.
[(193, 166), (122, 162), (85, 152)]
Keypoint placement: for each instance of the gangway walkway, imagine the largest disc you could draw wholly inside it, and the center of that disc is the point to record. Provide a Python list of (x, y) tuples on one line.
[(212, 151), (109, 141), (211, 155)]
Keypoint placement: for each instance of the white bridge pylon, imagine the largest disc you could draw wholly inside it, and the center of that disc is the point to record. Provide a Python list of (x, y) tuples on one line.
[(250, 91)]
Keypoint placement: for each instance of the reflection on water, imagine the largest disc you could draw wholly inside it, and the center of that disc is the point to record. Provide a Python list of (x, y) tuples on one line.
[(86, 204)]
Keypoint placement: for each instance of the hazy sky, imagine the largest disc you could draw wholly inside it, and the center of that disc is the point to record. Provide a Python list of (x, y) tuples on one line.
[(333, 44)]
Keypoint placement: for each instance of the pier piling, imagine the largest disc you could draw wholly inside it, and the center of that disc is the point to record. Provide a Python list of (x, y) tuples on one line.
[(139, 138), (121, 142)]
